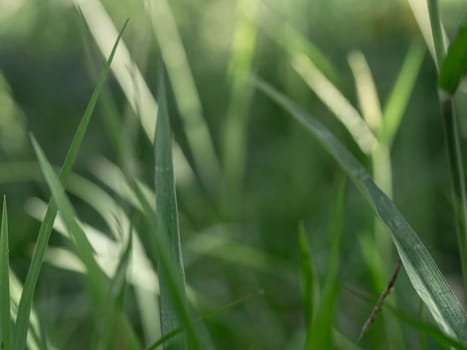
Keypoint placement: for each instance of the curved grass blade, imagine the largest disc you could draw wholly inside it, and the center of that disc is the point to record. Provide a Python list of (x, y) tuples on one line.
[(336, 102), (96, 279), (5, 320), (167, 214), (454, 66), (424, 274), (24, 308)]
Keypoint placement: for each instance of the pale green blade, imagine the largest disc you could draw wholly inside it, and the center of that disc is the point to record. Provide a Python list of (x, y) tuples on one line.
[(96, 280), (422, 270), (24, 308), (5, 320), (398, 99), (335, 101), (185, 91)]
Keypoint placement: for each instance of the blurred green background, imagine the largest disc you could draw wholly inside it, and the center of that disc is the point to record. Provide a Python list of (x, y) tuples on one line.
[(240, 237)]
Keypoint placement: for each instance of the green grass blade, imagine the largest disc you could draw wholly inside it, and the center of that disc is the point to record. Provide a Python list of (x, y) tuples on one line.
[(321, 329), (167, 214), (437, 32), (161, 249), (117, 294), (185, 91), (400, 93), (5, 320), (24, 308), (96, 280), (308, 278), (454, 66), (126, 71), (424, 274), (367, 94)]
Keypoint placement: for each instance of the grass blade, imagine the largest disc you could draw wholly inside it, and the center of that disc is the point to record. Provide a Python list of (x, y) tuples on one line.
[(367, 94), (321, 328), (24, 308), (400, 93), (308, 278), (5, 320), (424, 274), (167, 214), (454, 66), (165, 262), (95, 277), (184, 88)]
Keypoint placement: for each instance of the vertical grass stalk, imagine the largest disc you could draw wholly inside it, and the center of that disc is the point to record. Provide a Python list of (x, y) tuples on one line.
[(451, 131), (166, 203), (5, 323)]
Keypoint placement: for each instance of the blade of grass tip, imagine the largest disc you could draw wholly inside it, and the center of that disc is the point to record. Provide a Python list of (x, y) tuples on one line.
[(5, 320), (398, 98), (96, 279), (424, 274), (308, 278), (454, 66), (167, 215), (24, 307), (366, 90), (161, 248), (321, 329)]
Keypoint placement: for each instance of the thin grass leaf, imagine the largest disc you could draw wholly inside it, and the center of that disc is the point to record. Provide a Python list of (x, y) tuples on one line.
[(185, 91), (285, 34), (236, 121), (24, 308), (138, 95), (437, 32), (454, 66), (336, 102), (321, 328), (166, 264), (366, 90), (167, 214), (424, 274), (5, 320), (96, 280), (398, 98), (308, 278), (117, 294)]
